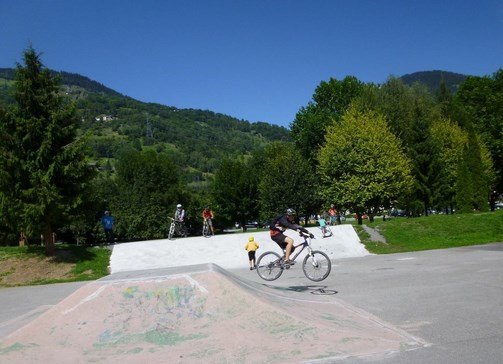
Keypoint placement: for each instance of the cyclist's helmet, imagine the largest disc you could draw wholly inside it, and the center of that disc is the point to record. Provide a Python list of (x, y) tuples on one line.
[(178, 206), (290, 212)]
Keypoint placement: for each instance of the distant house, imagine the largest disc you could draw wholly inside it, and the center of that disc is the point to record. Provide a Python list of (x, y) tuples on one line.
[(104, 117)]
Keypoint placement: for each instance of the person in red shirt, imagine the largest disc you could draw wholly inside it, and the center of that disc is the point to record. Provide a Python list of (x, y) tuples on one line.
[(333, 214), (207, 218)]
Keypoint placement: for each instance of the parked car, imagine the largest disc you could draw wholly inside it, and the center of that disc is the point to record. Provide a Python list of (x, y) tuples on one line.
[(398, 212), (252, 224)]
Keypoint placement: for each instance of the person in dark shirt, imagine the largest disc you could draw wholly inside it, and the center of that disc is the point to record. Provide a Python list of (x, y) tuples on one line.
[(108, 225), (277, 229)]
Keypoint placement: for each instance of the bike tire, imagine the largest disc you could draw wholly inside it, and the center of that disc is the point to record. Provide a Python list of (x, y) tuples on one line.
[(316, 266), (268, 267), (205, 231), (171, 232)]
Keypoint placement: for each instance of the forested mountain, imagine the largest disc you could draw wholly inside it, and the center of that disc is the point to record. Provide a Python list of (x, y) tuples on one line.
[(195, 139), (432, 79)]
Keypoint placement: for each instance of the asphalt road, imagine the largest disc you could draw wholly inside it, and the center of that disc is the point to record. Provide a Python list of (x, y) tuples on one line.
[(452, 299)]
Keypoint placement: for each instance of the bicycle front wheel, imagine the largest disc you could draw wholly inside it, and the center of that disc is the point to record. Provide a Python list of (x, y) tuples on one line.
[(269, 266), (205, 230), (171, 232), (316, 266)]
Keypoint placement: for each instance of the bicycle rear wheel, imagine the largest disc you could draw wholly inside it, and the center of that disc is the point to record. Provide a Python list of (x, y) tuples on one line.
[(317, 266), (269, 266)]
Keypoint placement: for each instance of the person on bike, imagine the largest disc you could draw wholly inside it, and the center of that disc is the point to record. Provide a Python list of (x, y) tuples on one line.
[(278, 227), (207, 218), (179, 214)]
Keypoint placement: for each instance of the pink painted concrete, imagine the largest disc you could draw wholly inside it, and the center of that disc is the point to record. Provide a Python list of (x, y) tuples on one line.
[(198, 317)]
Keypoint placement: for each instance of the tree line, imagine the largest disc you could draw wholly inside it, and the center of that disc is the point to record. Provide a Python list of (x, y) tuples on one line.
[(363, 147)]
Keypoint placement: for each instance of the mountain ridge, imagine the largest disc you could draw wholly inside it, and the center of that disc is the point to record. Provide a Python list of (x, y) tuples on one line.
[(432, 79)]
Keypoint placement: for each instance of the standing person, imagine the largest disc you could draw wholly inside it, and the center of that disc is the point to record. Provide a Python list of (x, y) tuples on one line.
[(278, 227), (251, 247), (108, 225), (208, 217), (179, 214), (333, 214), (180, 220)]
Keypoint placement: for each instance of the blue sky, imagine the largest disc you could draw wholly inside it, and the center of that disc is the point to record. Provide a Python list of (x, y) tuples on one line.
[(256, 60)]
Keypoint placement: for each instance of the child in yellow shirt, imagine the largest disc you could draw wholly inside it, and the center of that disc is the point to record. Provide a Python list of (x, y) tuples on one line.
[(251, 247)]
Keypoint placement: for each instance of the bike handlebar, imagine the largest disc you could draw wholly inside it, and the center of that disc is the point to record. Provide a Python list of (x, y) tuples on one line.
[(306, 235)]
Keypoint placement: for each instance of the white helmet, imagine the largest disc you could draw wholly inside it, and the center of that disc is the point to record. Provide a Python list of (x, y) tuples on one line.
[(178, 206)]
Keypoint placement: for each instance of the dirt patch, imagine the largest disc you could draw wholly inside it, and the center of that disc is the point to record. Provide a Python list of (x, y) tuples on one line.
[(16, 271)]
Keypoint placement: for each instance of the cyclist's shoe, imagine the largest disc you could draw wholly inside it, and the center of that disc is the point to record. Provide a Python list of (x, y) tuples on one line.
[(288, 263)]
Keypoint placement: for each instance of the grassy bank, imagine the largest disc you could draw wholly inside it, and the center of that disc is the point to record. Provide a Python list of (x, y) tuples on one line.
[(30, 265), (434, 232)]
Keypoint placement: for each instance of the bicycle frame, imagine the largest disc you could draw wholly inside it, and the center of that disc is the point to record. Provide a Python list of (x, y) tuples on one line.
[(304, 245)]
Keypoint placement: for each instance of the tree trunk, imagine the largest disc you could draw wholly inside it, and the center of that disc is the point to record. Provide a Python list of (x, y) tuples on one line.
[(22, 239), (48, 237), (359, 217)]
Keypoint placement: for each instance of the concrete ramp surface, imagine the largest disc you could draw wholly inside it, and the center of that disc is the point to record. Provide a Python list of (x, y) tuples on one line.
[(198, 314)]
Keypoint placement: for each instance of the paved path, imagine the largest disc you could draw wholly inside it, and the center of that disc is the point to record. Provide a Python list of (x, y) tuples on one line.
[(450, 299)]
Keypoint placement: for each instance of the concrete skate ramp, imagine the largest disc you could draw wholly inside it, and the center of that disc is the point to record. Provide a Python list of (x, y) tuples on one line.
[(198, 314)]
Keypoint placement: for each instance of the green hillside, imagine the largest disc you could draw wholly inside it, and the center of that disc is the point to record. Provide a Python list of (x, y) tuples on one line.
[(195, 139), (432, 79)]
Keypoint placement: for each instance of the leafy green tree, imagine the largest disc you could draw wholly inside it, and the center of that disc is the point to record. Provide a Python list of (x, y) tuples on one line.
[(287, 180), (362, 166), (330, 101), (234, 191), (44, 163), (148, 189)]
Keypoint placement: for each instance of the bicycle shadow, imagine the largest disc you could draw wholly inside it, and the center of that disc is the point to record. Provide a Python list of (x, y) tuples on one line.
[(313, 289)]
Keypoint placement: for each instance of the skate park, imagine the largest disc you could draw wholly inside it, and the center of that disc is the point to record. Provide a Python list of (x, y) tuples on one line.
[(194, 300)]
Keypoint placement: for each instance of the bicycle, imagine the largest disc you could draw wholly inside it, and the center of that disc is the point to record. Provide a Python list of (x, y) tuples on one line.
[(316, 264), (176, 228), (206, 229)]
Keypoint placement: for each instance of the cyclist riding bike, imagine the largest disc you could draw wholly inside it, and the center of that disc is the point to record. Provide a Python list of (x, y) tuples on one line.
[(277, 229), (207, 218)]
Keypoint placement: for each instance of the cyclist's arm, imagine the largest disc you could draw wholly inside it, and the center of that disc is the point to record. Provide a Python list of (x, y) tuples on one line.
[(285, 223)]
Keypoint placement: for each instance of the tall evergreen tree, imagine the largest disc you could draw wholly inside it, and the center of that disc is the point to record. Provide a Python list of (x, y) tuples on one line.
[(482, 99), (46, 167), (473, 183)]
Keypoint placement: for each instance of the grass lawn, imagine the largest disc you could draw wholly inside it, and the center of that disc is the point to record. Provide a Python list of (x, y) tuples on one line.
[(30, 265), (434, 232)]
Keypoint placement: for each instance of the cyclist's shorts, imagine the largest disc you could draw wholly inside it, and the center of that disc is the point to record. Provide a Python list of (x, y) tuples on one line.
[(280, 240)]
